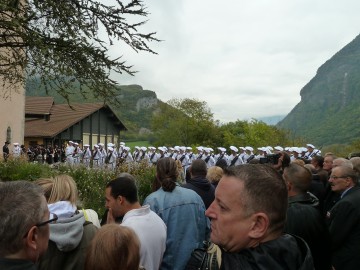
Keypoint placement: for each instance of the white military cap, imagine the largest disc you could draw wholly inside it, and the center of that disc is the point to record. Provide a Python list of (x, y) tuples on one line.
[(126, 148), (261, 148), (143, 148), (279, 148), (200, 148), (161, 148), (242, 148), (303, 149), (249, 148), (122, 143), (100, 144), (182, 148), (137, 147), (234, 148), (310, 145), (76, 143), (152, 148), (96, 146), (207, 150), (189, 148), (210, 149), (110, 144), (16, 143), (110, 148), (270, 148), (86, 145), (296, 149), (71, 142)]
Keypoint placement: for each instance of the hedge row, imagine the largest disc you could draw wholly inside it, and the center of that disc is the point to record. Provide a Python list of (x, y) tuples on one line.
[(90, 182)]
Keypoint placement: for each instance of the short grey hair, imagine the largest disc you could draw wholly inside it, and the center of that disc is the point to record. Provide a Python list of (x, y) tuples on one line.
[(22, 205)]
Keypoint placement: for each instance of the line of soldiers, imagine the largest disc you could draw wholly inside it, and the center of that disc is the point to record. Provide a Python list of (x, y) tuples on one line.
[(110, 157)]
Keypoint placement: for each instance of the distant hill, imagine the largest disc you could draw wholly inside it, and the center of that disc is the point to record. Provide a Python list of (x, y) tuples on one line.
[(136, 104), (271, 120), (329, 110)]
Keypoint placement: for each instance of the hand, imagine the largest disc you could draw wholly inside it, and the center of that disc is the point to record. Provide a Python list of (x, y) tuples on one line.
[(110, 218)]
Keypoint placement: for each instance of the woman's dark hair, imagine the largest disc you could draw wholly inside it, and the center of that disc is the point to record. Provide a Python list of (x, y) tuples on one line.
[(167, 173), (221, 163)]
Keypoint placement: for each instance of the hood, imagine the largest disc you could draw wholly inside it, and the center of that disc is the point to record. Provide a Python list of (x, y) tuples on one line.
[(67, 232), (286, 252), (200, 182)]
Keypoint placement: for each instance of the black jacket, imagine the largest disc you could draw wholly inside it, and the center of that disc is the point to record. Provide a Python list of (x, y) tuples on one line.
[(305, 220), (344, 226), (203, 188), (287, 252)]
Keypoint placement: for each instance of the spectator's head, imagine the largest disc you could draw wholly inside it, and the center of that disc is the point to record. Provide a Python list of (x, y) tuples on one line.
[(113, 247), (244, 212), (59, 188), (356, 164), (298, 162), (121, 194), (24, 219), (297, 178), (342, 162), (328, 161), (221, 163), (317, 161), (198, 168), (342, 178), (214, 174), (167, 173)]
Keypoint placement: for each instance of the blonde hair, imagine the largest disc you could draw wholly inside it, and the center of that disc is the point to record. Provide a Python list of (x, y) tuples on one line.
[(114, 247), (298, 162), (59, 188), (214, 174)]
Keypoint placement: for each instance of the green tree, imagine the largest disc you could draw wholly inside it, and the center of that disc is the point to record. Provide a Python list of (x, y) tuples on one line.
[(61, 43), (184, 122)]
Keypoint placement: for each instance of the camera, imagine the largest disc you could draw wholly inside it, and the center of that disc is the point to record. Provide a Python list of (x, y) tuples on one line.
[(270, 158)]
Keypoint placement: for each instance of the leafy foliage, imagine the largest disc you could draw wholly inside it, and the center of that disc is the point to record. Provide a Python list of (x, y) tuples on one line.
[(90, 183), (62, 43), (184, 122)]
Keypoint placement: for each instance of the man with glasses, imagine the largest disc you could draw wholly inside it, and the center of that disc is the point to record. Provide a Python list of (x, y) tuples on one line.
[(24, 229), (344, 219)]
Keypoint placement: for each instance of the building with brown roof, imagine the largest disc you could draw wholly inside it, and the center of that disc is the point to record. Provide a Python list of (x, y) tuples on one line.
[(47, 123)]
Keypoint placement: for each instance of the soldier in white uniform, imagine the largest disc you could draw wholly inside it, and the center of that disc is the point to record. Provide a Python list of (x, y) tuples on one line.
[(183, 157), (103, 154), (249, 154), (86, 155), (200, 152), (136, 153), (96, 157), (221, 155), (110, 159), (77, 154), (242, 154), (153, 156), (143, 155), (16, 150), (69, 151), (209, 160), (234, 158), (126, 156)]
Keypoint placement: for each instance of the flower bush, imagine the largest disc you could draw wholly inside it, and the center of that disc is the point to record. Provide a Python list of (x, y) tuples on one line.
[(90, 182)]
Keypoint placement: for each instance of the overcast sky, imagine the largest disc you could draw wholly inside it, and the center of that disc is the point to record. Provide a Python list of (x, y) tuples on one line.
[(245, 58)]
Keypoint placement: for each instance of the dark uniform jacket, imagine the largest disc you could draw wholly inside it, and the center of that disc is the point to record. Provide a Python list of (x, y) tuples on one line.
[(344, 226), (287, 252), (305, 220)]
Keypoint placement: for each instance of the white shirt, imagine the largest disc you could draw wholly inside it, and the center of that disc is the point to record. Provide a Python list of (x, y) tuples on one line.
[(151, 230)]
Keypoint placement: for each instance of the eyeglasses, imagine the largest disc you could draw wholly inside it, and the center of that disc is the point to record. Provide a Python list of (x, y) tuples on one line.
[(50, 221), (337, 177)]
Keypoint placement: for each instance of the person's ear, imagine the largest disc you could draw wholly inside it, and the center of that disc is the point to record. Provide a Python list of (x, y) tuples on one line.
[(260, 224), (120, 199), (32, 237)]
